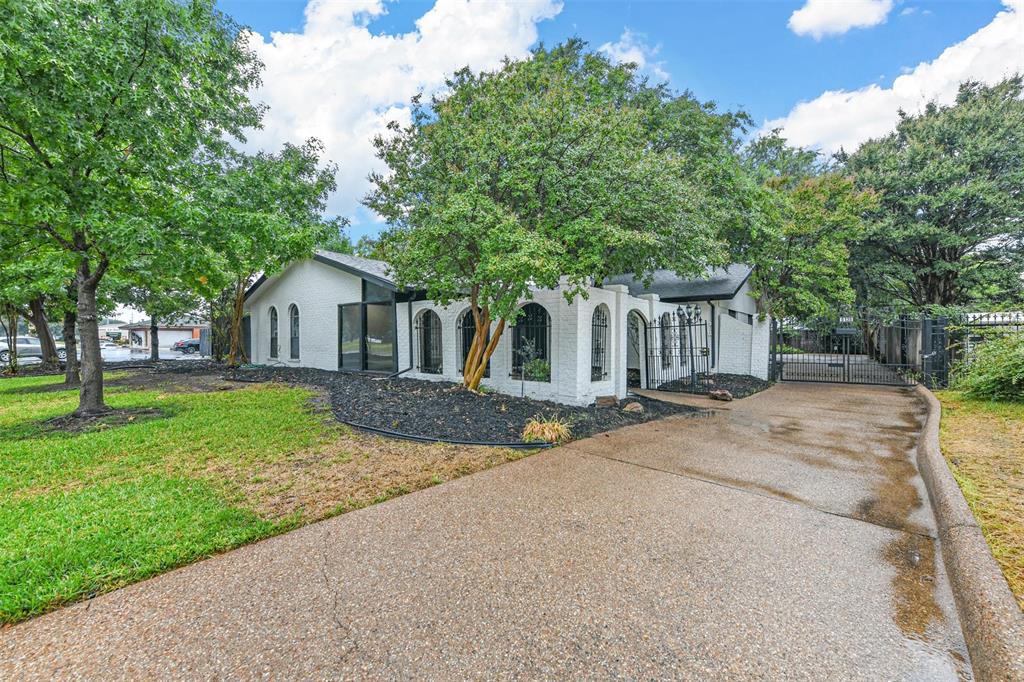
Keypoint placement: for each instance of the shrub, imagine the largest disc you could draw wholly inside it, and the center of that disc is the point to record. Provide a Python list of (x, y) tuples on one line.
[(996, 372), (537, 370), (551, 430)]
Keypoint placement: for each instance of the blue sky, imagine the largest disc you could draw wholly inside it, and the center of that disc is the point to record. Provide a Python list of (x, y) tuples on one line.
[(354, 64)]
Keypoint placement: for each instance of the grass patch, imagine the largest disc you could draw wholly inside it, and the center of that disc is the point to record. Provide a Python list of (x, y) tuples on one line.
[(983, 442), (207, 468)]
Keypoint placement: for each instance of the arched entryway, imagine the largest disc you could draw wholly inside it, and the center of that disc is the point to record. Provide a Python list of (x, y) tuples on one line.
[(636, 350)]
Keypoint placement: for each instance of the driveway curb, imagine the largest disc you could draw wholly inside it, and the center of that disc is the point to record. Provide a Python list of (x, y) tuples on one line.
[(992, 623)]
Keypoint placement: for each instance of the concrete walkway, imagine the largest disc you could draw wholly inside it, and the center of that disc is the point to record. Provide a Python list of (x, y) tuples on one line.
[(787, 537)]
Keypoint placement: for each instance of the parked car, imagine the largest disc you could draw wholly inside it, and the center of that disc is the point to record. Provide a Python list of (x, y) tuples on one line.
[(187, 346), (29, 347)]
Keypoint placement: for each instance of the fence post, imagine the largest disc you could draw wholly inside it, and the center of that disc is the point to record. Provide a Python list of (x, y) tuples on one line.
[(926, 351)]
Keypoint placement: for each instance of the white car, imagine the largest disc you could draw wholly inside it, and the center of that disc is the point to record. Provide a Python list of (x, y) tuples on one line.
[(29, 347)]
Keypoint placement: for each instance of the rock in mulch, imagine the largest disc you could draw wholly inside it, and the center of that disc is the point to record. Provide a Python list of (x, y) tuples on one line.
[(633, 407), (738, 385), (444, 410), (720, 394)]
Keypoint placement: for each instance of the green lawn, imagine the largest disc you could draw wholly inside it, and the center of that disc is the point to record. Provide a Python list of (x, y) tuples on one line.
[(984, 445), (84, 513)]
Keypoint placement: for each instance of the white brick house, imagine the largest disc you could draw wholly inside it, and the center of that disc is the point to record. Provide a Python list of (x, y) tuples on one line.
[(341, 312)]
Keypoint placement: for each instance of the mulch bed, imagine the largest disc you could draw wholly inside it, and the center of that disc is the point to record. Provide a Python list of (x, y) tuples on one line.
[(444, 410), (740, 385)]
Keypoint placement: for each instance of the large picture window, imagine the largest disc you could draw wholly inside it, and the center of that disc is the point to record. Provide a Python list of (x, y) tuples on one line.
[(466, 331), (599, 344), (293, 325), (531, 344), (428, 342), (273, 332), (366, 331)]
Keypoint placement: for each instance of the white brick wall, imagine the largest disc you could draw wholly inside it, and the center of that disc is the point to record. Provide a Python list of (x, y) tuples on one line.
[(317, 289)]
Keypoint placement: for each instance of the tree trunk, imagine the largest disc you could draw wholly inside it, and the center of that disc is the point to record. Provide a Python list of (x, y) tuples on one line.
[(154, 338), (236, 354), (90, 395), (39, 321), (473, 374), (71, 377), (9, 321)]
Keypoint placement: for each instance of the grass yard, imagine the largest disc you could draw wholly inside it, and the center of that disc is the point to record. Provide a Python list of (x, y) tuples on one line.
[(192, 467), (984, 445)]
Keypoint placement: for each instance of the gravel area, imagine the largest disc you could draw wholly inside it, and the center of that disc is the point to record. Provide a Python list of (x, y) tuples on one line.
[(740, 385), (444, 410)]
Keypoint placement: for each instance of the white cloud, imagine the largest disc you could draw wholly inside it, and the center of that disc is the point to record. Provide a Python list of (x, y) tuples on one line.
[(842, 118), (631, 47), (340, 82), (907, 11), (819, 18)]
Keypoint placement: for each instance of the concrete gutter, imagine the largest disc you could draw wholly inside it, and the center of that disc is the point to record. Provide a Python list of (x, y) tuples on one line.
[(992, 623)]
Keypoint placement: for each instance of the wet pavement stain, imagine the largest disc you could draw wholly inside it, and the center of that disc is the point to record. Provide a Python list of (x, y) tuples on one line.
[(913, 557)]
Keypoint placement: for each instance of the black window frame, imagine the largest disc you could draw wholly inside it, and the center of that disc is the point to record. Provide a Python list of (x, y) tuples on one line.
[(371, 295), (530, 324), (429, 342), (274, 337), (600, 338), (294, 346)]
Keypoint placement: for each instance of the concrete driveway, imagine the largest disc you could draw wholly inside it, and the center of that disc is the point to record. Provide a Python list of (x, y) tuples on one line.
[(788, 536)]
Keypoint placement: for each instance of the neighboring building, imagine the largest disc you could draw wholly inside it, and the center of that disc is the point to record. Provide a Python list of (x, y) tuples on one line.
[(340, 312), (168, 333), (110, 330)]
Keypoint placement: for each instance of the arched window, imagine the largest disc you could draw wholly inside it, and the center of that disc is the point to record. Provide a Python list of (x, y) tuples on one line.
[(467, 330), (531, 344), (273, 332), (666, 340), (293, 319), (428, 339), (599, 344)]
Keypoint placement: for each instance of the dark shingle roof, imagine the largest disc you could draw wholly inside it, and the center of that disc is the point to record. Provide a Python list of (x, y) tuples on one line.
[(719, 284), (375, 270)]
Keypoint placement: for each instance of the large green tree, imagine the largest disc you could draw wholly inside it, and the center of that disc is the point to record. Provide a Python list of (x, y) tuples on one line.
[(562, 167), (262, 212), (949, 227), (805, 217), (101, 103)]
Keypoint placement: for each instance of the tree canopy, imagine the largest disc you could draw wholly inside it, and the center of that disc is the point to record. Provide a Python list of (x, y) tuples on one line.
[(949, 227), (563, 168), (806, 216)]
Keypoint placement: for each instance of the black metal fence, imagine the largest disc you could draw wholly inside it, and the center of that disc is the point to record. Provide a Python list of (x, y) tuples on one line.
[(678, 352), (865, 346)]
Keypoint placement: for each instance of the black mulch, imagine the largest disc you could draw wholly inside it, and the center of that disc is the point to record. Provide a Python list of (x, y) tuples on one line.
[(447, 411), (740, 385)]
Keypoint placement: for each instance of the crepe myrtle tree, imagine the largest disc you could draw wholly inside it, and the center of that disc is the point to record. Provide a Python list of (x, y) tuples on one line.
[(543, 171), (101, 102)]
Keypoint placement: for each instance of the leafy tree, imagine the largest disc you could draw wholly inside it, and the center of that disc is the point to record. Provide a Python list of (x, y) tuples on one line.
[(807, 215), (948, 229), (563, 167), (264, 211), (101, 104)]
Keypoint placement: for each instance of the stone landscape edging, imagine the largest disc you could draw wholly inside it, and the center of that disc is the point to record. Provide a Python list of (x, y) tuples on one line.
[(991, 620)]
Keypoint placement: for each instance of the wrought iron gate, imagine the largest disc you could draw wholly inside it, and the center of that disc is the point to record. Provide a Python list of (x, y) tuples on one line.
[(862, 347), (678, 354)]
